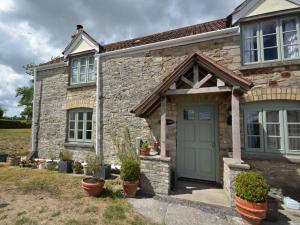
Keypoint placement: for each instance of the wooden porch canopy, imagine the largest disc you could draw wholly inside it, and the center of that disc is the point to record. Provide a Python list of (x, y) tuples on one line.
[(197, 74), (167, 86)]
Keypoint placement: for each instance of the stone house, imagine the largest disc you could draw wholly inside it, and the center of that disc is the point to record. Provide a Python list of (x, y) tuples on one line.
[(219, 96)]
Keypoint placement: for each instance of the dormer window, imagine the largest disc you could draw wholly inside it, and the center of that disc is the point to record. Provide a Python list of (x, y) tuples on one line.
[(82, 69), (271, 41)]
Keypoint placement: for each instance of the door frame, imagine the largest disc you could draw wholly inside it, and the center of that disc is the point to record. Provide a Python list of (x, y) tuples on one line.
[(179, 106)]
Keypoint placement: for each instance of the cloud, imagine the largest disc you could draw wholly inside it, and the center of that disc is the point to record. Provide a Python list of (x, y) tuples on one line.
[(10, 80), (33, 31)]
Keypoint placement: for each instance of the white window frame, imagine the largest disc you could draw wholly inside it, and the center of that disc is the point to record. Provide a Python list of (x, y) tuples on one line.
[(262, 108), (260, 45), (87, 61), (84, 130)]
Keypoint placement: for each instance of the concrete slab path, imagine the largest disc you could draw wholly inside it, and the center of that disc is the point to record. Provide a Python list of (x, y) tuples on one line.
[(168, 211)]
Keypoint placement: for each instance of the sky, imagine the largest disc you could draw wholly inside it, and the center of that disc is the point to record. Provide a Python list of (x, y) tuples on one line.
[(33, 31)]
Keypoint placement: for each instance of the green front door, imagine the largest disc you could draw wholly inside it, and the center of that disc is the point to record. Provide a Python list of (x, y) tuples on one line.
[(196, 152)]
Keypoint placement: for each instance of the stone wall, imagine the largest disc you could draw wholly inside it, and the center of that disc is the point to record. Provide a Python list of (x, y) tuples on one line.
[(155, 175), (231, 170)]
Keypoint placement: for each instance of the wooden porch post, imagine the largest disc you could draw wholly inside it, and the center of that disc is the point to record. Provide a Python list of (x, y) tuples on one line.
[(163, 125), (236, 132)]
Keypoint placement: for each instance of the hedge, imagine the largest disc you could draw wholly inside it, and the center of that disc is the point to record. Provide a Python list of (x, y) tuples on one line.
[(14, 124)]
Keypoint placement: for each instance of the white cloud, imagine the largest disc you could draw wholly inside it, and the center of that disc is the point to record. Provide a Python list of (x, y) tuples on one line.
[(9, 81), (7, 5)]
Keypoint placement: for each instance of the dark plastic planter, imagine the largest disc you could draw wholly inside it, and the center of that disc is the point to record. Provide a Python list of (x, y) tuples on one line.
[(3, 157), (104, 173), (65, 166)]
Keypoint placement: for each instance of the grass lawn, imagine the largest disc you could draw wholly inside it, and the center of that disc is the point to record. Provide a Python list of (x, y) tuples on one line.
[(34, 197), (15, 140)]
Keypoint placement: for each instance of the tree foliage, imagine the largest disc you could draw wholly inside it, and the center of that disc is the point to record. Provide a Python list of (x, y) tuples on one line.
[(2, 111), (26, 93)]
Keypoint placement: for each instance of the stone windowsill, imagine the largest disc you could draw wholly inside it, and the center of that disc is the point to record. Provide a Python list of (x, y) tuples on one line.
[(86, 146), (156, 158), (270, 64), (75, 86)]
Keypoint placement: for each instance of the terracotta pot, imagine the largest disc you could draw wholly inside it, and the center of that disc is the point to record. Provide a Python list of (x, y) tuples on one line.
[(252, 213), (92, 186), (145, 151), (130, 188), (77, 171), (13, 161)]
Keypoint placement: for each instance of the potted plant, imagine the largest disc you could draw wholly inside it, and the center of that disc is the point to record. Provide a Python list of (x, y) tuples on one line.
[(92, 185), (77, 167), (130, 163), (251, 194), (145, 148), (65, 162), (51, 164)]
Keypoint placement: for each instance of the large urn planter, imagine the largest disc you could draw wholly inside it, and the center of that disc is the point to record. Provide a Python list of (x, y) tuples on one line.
[(130, 188), (252, 213), (251, 197), (92, 186)]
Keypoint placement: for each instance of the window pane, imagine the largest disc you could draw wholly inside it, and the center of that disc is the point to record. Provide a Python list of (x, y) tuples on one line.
[(250, 56), (74, 74), (253, 142), (294, 130), (290, 38), (80, 116), (270, 41), (273, 129), (71, 134), (80, 125), (72, 125), (253, 129), (252, 117), (291, 52), (88, 135), (89, 115), (205, 116), (250, 31), (293, 116), (273, 116), (289, 24), (91, 60), (269, 27), (79, 135), (82, 73), (274, 143), (91, 73), (72, 116), (294, 144), (250, 44), (189, 114), (89, 126), (270, 54)]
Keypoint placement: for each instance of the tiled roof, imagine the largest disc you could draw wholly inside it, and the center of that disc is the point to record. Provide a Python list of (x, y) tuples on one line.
[(163, 36), (169, 35)]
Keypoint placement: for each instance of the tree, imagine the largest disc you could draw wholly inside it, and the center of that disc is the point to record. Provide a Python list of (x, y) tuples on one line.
[(26, 93), (2, 111)]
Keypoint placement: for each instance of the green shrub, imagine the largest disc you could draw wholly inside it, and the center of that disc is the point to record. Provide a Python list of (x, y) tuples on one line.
[(14, 124), (65, 155), (94, 163), (251, 186), (130, 170)]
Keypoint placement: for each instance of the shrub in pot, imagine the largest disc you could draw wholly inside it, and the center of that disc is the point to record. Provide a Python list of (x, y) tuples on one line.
[(130, 163), (145, 148), (92, 185), (51, 164), (251, 194), (66, 162), (77, 167)]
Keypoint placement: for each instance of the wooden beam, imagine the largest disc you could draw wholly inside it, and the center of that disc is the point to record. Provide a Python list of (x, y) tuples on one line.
[(220, 83), (196, 74), (203, 81), (198, 91), (185, 80), (236, 132), (163, 126)]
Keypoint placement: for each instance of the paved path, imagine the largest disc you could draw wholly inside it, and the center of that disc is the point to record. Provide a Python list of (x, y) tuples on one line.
[(168, 211)]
